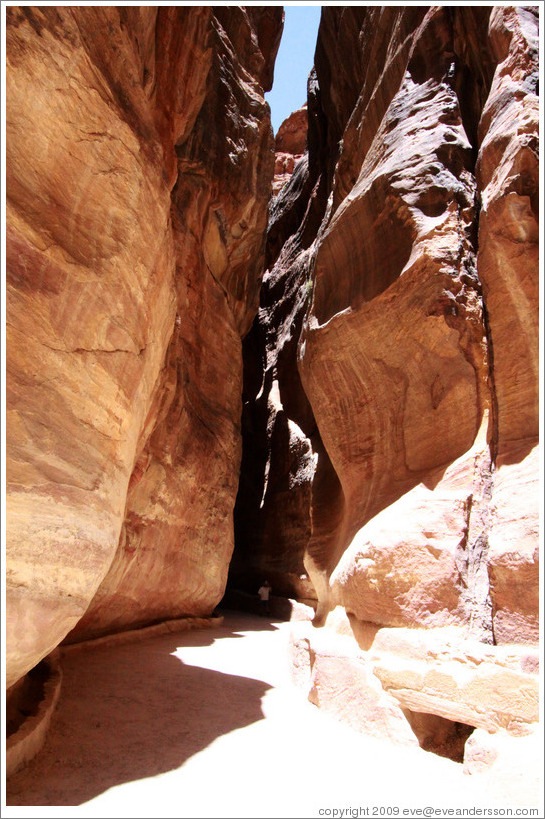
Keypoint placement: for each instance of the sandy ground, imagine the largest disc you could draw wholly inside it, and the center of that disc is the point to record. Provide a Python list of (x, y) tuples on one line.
[(206, 724)]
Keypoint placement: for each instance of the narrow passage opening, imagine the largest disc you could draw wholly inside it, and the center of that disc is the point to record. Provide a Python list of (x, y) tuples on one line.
[(294, 62), (253, 562)]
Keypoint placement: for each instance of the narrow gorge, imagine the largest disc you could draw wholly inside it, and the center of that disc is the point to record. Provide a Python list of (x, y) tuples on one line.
[(312, 359)]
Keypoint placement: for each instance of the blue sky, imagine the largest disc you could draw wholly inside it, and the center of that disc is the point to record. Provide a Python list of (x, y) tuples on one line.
[(294, 61)]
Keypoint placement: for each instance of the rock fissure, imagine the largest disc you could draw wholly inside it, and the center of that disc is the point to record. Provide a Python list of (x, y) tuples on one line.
[(97, 350)]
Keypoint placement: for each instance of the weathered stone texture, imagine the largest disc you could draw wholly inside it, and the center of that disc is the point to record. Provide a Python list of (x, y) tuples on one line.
[(394, 336), (290, 145), (139, 164), (416, 685), (402, 282), (408, 351), (508, 264), (388, 387)]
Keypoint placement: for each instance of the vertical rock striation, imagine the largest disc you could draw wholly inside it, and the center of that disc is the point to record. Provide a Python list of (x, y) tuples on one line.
[(139, 164), (507, 177)]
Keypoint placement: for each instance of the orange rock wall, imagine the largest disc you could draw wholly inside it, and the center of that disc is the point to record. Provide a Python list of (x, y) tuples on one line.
[(388, 387), (139, 163), (393, 435)]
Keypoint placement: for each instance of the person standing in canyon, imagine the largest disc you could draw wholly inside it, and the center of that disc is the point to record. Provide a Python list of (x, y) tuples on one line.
[(264, 593)]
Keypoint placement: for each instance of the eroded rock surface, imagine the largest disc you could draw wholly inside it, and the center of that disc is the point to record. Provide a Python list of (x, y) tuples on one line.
[(397, 335), (290, 145), (417, 686), (389, 383), (139, 163)]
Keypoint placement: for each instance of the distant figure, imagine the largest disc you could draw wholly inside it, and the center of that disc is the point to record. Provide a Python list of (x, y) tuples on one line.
[(264, 593)]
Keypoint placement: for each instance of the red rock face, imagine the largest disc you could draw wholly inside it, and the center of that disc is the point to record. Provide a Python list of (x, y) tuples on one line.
[(395, 339), (389, 384), (507, 174), (290, 145), (402, 283), (135, 245)]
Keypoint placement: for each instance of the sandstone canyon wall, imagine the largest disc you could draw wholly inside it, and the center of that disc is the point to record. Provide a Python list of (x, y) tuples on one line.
[(139, 164), (388, 386), (289, 145), (391, 461)]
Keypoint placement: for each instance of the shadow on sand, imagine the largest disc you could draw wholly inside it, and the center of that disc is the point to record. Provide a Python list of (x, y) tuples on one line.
[(133, 711)]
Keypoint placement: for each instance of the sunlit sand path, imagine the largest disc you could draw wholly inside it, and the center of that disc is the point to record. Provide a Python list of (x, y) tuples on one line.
[(207, 724)]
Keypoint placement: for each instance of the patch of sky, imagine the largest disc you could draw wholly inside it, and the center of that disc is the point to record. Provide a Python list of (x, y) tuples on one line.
[(294, 61)]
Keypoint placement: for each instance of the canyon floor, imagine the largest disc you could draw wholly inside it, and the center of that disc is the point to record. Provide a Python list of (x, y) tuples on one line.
[(206, 724)]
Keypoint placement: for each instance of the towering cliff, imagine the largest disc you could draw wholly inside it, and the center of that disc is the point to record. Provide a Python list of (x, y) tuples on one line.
[(139, 163), (388, 387), (391, 405)]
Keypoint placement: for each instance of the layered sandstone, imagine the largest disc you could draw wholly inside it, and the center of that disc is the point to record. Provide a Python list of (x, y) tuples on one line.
[(290, 145), (388, 387), (139, 164), (431, 687), (392, 428)]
